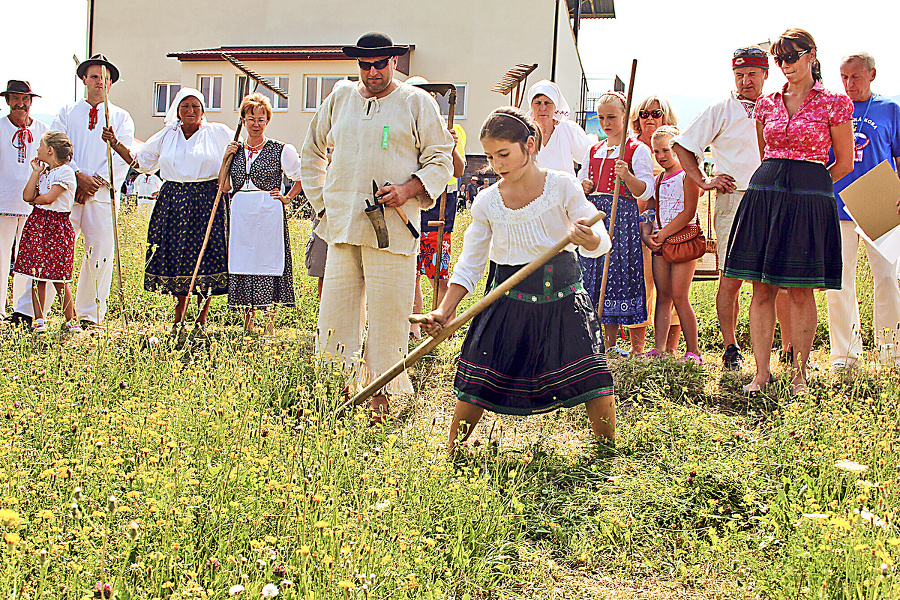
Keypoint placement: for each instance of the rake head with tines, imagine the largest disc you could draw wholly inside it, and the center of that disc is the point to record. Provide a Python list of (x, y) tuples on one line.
[(255, 76)]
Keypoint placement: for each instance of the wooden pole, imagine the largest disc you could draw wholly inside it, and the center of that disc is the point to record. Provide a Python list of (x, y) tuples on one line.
[(465, 317), (616, 189), (112, 195), (226, 164), (439, 252)]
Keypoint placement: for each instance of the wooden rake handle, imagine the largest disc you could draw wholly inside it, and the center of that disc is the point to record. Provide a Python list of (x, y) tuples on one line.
[(495, 294)]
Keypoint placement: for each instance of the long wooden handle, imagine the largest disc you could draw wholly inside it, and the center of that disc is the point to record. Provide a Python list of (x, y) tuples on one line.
[(459, 321), (112, 196), (226, 164), (616, 190), (439, 250)]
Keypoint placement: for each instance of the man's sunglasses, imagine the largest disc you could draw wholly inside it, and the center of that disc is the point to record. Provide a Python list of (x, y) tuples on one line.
[(378, 64), (655, 113), (789, 57), (749, 51)]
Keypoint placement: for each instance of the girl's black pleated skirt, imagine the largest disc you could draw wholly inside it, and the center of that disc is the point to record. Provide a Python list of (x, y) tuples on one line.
[(175, 235), (786, 231), (536, 349)]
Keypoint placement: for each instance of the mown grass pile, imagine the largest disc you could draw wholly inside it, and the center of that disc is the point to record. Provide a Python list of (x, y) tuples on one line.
[(135, 466)]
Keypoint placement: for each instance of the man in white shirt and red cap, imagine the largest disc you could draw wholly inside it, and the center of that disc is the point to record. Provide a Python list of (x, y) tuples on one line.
[(382, 131), (83, 122), (729, 129), (20, 136)]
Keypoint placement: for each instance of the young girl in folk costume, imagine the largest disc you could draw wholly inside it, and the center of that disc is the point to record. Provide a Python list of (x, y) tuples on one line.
[(47, 250), (676, 207), (625, 301), (539, 347)]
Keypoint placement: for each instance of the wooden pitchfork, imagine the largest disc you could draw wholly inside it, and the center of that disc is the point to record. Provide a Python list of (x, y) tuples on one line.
[(258, 80)]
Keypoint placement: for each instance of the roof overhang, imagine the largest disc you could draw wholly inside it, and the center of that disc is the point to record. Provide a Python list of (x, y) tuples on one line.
[(278, 53)]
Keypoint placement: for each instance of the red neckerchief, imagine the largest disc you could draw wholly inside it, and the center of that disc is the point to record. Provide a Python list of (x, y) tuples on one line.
[(20, 138), (92, 118)]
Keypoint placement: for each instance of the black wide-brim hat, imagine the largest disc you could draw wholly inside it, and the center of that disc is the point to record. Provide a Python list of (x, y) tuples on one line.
[(15, 86), (98, 59), (374, 43)]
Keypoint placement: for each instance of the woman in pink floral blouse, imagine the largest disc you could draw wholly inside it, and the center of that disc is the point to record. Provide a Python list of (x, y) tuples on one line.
[(786, 232)]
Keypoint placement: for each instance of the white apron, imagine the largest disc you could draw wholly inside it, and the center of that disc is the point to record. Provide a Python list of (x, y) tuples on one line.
[(256, 241)]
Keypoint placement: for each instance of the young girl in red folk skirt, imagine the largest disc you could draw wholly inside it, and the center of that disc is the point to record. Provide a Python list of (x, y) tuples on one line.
[(47, 250), (539, 347)]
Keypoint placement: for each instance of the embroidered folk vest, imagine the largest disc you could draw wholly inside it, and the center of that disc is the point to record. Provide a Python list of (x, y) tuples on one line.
[(605, 179), (265, 171)]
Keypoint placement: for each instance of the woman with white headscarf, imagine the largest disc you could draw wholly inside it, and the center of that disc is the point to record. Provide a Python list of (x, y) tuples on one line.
[(188, 152), (563, 142)]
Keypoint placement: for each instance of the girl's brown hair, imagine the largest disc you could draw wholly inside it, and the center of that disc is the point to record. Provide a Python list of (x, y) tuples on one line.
[(511, 124), (60, 144), (797, 39)]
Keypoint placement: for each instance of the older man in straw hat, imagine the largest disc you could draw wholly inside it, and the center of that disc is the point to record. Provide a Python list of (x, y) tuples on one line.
[(83, 122), (382, 130), (20, 136)]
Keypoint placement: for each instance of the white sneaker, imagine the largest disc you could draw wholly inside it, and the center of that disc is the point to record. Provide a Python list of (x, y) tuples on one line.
[(39, 326), (844, 364)]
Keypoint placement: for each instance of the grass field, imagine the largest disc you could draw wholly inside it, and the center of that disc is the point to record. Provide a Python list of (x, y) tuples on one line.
[(135, 466)]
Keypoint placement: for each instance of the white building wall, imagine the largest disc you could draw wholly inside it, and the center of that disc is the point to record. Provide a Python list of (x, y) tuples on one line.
[(467, 41)]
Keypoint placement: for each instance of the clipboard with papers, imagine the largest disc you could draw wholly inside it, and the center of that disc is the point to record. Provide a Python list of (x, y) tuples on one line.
[(871, 201)]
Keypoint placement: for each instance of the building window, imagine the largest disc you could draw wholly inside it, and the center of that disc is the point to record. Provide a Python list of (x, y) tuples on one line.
[(163, 95), (244, 87), (211, 88), (460, 110), (319, 86)]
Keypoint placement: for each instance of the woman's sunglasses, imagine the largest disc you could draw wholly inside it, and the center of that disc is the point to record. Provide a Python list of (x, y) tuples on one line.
[(789, 57), (655, 113), (378, 64)]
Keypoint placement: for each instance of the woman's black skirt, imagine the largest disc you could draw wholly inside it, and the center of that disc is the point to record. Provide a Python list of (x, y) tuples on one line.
[(262, 291), (174, 237), (786, 231), (536, 349)]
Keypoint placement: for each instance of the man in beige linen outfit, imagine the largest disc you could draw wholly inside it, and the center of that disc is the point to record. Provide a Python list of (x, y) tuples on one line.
[(387, 131)]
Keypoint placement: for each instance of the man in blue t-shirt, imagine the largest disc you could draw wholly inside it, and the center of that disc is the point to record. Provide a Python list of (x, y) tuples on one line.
[(876, 126)]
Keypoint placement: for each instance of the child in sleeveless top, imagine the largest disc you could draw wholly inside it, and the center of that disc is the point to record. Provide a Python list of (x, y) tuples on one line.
[(539, 347), (676, 207), (47, 250), (625, 301)]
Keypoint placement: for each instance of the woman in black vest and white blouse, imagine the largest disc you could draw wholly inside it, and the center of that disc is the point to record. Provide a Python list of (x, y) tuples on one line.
[(260, 274)]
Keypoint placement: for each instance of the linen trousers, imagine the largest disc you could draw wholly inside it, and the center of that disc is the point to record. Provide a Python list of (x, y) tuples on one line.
[(93, 220), (10, 235), (723, 220), (367, 283), (844, 327)]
